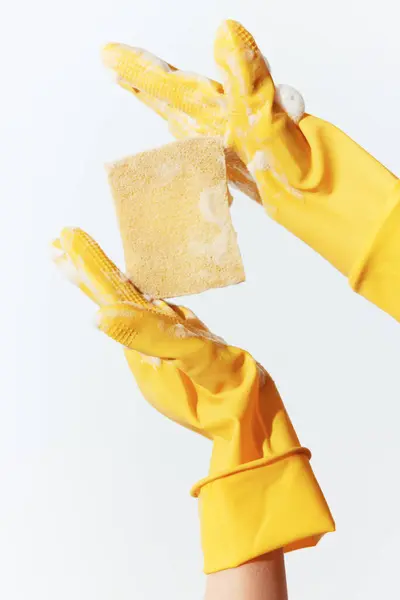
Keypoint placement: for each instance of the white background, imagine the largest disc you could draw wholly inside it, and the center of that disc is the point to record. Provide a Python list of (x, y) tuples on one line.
[(94, 500)]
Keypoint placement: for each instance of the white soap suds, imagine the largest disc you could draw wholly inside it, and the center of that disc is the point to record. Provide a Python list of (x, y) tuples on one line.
[(158, 303), (188, 75), (119, 57), (167, 172), (183, 332), (154, 60), (159, 105), (161, 325), (291, 101), (260, 162), (241, 132), (248, 54), (208, 203), (99, 295), (111, 55), (120, 313), (183, 125), (221, 100), (253, 117), (217, 249), (112, 73), (236, 70), (64, 263), (67, 269), (263, 161), (56, 253), (285, 182), (154, 361), (75, 271)]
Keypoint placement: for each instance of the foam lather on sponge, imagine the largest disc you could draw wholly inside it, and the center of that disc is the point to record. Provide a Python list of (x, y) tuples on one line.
[(172, 206)]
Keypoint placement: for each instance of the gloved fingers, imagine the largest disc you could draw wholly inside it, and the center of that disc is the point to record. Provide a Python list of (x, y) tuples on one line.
[(262, 127), (160, 335), (65, 265), (163, 109), (142, 72), (95, 274), (94, 270), (244, 68), (180, 124)]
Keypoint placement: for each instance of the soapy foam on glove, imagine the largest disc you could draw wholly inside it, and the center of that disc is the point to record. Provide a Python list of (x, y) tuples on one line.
[(172, 206), (291, 101)]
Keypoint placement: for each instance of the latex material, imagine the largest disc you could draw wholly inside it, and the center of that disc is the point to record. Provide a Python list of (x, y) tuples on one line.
[(377, 275), (261, 493), (192, 105), (311, 177)]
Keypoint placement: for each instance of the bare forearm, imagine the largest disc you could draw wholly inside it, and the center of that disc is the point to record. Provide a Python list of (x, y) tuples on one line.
[(261, 579)]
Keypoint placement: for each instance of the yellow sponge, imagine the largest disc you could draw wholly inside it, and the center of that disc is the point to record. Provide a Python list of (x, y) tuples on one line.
[(172, 205)]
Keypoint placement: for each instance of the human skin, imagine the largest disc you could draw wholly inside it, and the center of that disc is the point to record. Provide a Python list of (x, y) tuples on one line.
[(263, 578)]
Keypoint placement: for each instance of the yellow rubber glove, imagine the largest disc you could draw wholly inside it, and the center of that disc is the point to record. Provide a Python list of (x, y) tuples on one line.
[(192, 105), (312, 178), (261, 493)]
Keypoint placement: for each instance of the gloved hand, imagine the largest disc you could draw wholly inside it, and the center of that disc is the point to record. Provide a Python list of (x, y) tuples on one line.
[(192, 105), (312, 178), (261, 493)]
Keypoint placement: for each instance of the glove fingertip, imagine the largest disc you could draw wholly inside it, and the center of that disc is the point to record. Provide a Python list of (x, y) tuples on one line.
[(110, 55), (242, 64)]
